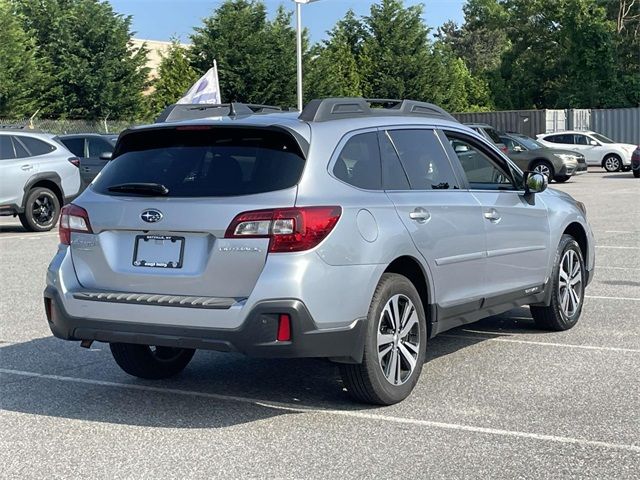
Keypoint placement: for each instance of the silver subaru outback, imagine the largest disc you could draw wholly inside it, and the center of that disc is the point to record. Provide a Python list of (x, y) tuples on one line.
[(354, 231)]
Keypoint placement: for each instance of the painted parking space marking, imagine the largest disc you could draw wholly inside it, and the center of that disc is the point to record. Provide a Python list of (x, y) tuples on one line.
[(343, 413), (617, 247), (531, 342), (602, 297)]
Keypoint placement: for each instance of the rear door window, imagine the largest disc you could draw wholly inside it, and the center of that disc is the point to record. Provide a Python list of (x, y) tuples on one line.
[(98, 146), (36, 147), (74, 145), (21, 152), (566, 139), (207, 162), (423, 159)]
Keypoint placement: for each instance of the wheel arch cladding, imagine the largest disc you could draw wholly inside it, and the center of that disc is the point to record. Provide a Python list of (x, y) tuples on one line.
[(51, 185), (578, 233), (410, 268)]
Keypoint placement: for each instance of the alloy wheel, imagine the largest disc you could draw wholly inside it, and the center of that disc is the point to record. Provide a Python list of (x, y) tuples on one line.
[(612, 164), (570, 283), (43, 209), (544, 169), (398, 339)]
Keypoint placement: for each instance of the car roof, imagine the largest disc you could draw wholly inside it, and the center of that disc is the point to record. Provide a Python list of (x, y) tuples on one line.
[(28, 133), (83, 135), (481, 125), (571, 132)]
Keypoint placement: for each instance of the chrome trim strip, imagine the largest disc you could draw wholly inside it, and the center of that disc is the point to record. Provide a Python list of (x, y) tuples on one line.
[(159, 300)]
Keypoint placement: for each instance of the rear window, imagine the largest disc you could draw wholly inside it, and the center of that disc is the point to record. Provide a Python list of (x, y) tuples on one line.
[(210, 162), (493, 134)]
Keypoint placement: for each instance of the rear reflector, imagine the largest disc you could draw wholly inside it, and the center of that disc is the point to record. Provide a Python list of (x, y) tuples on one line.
[(284, 328), (290, 229), (73, 219)]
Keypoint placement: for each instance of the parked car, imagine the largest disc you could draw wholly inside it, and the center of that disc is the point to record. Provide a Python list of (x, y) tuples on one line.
[(92, 149), (344, 232), (597, 149), (556, 164), (37, 176), (635, 162), (488, 132)]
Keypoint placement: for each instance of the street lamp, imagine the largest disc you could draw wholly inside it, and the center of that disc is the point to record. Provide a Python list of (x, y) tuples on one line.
[(299, 4)]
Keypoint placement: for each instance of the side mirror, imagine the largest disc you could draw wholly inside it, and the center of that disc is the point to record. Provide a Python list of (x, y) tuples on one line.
[(535, 182), (593, 143), (106, 156), (459, 148), (518, 149)]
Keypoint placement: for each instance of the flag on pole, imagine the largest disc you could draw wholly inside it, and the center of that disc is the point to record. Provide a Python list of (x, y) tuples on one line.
[(205, 90)]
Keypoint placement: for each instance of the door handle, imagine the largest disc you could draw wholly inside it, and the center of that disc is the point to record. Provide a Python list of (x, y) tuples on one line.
[(420, 215), (492, 215), (86, 169), (26, 167)]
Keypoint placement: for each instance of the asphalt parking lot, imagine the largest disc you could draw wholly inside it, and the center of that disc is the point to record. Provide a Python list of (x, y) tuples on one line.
[(497, 399)]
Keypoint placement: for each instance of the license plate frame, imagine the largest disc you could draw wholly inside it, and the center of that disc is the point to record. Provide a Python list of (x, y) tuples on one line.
[(142, 248)]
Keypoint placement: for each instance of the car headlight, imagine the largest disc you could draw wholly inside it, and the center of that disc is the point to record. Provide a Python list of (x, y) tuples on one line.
[(581, 206), (566, 157)]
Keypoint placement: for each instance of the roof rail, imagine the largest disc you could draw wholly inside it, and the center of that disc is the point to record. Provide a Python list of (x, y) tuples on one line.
[(185, 111), (322, 110)]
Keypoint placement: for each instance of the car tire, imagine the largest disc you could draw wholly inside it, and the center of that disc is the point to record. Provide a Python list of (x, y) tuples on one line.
[(612, 163), (561, 178), (41, 210), (151, 362), (375, 380), (636, 173), (544, 167), (567, 297)]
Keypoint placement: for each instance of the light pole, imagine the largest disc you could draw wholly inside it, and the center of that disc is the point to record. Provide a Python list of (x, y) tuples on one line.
[(299, 45)]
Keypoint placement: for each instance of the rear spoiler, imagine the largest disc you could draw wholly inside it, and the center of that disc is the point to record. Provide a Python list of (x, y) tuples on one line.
[(181, 111)]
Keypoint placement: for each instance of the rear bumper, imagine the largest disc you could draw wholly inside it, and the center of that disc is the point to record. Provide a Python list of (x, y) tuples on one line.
[(255, 337)]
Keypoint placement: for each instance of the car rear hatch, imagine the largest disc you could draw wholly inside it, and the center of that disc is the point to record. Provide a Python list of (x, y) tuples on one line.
[(159, 211)]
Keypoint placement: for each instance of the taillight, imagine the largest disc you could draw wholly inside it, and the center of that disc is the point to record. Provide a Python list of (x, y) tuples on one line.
[(75, 161), (504, 149), (290, 229), (73, 219)]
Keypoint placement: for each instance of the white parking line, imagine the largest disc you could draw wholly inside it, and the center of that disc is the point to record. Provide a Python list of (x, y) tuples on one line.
[(632, 299), (617, 247), (618, 268), (343, 413), (530, 342), (26, 237), (622, 231)]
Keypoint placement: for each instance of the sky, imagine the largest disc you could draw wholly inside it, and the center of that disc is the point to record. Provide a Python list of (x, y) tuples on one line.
[(163, 19)]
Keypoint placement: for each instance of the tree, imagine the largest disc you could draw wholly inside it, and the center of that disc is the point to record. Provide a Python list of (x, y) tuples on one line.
[(333, 66), (175, 77), (90, 69), (18, 70), (256, 58), (395, 52)]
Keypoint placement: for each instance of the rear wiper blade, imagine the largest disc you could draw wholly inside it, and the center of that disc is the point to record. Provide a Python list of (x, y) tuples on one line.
[(140, 188)]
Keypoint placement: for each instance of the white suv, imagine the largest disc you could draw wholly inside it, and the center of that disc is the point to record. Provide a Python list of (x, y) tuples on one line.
[(37, 176), (596, 148)]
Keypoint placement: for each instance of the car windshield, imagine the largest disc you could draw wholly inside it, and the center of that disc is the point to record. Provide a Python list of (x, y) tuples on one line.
[(529, 143), (602, 138)]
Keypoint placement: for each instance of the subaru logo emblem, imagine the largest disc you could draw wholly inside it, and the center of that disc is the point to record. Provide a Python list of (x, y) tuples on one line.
[(151, 216)]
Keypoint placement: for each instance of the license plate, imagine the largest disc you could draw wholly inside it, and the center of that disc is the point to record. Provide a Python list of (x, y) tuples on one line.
[(158, 251)]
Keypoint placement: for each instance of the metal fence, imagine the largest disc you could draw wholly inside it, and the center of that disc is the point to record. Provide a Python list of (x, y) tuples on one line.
[(60, 127), (528, 122), (619, 124)]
